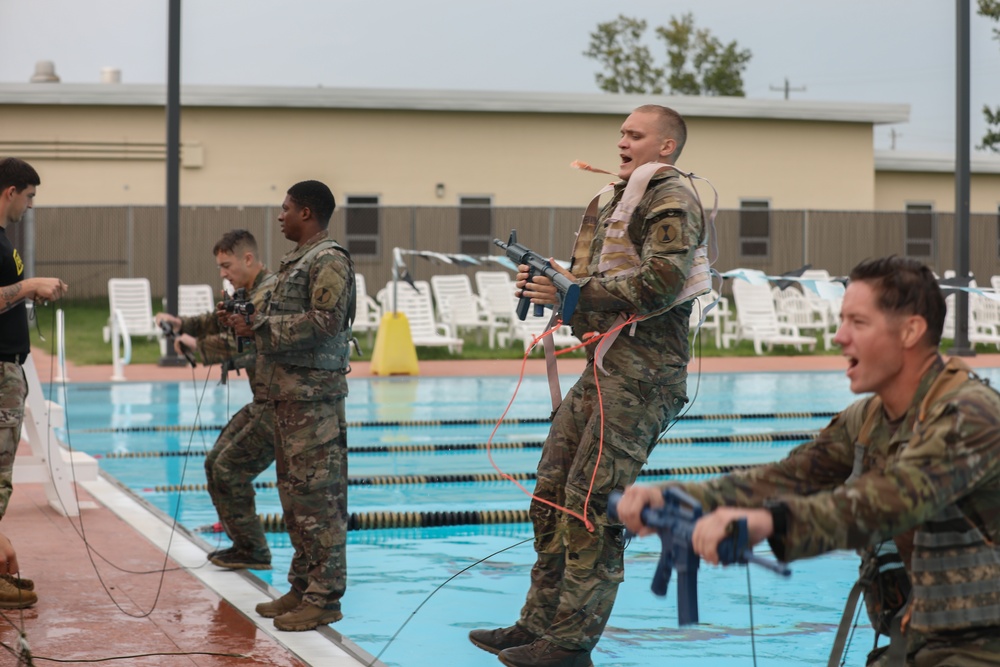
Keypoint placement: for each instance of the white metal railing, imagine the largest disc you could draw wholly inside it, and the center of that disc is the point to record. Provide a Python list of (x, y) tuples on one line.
[(119, 332)]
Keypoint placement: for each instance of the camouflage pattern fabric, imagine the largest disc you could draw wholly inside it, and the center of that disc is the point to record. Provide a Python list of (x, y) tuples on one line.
[(13, 391), (920, 477), (310, 425), (311, 453), (243, 450), (286, 340), (216, 343), (666, 229), (577, 573)]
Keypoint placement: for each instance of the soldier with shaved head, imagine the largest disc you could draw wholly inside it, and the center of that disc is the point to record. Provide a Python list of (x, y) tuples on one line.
[(633, 260)]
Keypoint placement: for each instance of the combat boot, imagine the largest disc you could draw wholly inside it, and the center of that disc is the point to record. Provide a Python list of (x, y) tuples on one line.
[(20, 582), (306, 617), (543, 653), (282, 605), (240, 559), (12, 597), (497, 640)]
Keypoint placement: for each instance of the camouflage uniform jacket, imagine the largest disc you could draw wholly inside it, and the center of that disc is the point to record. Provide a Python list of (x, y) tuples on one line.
[(304, 324), (666, 228), (931, 481), (217, 344)]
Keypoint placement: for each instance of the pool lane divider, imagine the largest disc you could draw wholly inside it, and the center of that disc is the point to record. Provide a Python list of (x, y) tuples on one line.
[(384, 480), (432, 423), (475, 446)]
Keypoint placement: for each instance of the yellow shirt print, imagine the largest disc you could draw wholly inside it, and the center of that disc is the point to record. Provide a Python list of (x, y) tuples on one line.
[(18, 263)]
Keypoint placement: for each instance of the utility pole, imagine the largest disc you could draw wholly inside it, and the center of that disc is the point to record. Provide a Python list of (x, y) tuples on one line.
[(893, 135), (787, 88), (173, 144), (961, 346)]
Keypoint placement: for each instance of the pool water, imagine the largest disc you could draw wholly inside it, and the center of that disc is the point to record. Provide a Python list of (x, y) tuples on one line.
[(392, 572)]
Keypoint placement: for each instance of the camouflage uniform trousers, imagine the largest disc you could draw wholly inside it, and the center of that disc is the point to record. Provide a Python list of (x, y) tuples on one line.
[(577, 573), (311, 452), (13, 391), (244, 449)]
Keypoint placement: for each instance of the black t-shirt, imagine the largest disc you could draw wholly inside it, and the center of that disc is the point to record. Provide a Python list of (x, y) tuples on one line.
[(14, 322)]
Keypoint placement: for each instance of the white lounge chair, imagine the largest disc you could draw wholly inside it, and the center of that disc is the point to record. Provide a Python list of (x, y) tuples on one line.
[(716, 320), (459, 308), (757, 319), (367, 313), (793, 307), (132, 298), (193, 300), (419, 310)]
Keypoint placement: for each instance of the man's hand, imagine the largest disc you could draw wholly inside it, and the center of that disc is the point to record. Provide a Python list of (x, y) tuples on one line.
[(47, 289), (172, 320), (540, 290), (185, 342), (238, 324), (714, 527), (8, 559), (635, 499)]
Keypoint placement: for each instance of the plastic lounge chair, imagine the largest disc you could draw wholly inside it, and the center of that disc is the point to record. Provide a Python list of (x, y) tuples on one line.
[(132, 297), (195, 300), (757, 319), (419, 310), (367, 314)]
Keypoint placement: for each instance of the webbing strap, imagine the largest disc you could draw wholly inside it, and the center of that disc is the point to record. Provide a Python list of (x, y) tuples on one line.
[(840, 641), (551, 371)]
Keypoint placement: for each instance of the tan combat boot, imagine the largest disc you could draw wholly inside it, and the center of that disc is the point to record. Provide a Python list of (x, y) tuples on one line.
[(12, 597), (286, 603), (306, 617), (20, 582)]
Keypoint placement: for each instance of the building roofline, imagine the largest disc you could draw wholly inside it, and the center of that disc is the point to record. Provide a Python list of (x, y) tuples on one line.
[(933, 162), (80, 94)]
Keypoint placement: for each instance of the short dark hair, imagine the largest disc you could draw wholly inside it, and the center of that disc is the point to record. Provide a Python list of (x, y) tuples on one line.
[(316, 197), (18, 173), (236, 239), (905, 287), (671, 124)]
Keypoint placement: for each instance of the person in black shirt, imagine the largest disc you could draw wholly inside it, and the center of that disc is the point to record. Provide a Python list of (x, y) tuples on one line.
[(18, 181)]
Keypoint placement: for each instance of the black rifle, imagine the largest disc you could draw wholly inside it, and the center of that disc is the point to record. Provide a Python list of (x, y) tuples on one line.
[(569, 291), (674, 523), (240, 304), (170, 335)]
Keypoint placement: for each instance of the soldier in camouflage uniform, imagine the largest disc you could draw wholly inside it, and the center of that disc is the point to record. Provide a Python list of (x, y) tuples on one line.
[(302, 334), (245, 448), (18, 181), (577, 573), (919, 463)]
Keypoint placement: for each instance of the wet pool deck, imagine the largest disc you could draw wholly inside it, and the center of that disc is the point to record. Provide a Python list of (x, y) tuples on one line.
[(89, 608)]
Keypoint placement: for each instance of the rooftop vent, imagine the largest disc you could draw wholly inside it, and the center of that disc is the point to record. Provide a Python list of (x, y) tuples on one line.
[(45, 72), (111, 75)]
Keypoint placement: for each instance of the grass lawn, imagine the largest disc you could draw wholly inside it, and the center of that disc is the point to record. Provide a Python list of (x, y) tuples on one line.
[(85, 344)]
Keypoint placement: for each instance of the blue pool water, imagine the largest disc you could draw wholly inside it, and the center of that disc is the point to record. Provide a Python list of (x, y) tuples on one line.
[(391, 572)]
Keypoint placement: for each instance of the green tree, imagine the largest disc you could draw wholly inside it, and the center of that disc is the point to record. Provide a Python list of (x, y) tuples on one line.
[(698, 63), (991, 140), (628, 63)]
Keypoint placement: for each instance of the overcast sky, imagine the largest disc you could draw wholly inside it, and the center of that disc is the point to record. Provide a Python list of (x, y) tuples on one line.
[(895, 51)]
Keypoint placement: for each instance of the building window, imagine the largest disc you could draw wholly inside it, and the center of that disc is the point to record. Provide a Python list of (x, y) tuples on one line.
[(755, 228), (920, 231), (362, 233), (475, 225)]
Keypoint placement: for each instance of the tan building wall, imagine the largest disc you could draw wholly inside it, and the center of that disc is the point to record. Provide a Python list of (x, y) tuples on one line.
[(920, 179), (103, 145)]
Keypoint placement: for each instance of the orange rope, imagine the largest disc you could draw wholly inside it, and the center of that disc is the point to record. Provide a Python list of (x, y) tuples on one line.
[(590, 338)]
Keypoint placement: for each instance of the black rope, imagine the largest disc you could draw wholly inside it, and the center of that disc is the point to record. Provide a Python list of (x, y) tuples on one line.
[(433, 423), (761, 438)]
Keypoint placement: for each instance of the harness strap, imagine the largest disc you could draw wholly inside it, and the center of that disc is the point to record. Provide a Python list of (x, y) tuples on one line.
[(840, 641)]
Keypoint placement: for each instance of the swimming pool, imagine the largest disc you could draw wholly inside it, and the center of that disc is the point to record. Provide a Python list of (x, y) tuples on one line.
[(137, 430)]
